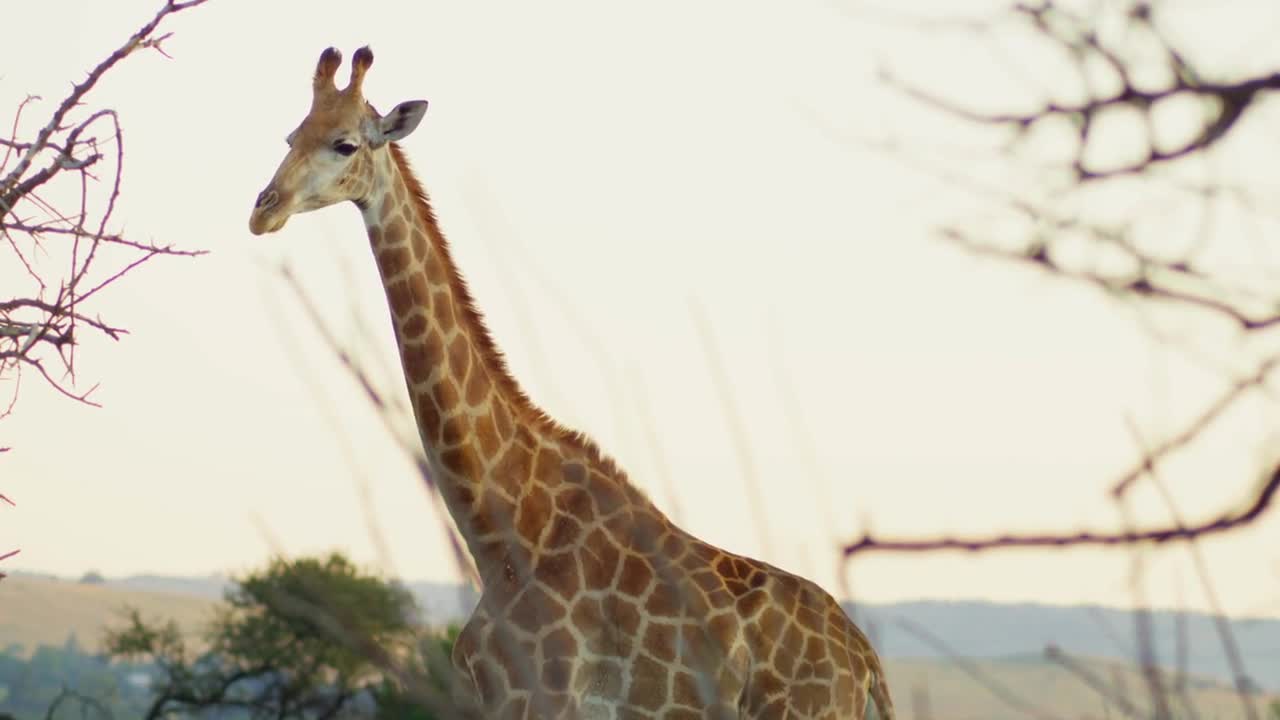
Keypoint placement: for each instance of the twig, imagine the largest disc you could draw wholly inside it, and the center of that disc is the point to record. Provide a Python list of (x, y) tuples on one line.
[(1056, 655), (1240, 676), (997, 689), (661, 468), (35, 329), (737, 433), (410, 447), (85, 701), (1140, 285), (1225, 102), (137, 40), (1193, 429)]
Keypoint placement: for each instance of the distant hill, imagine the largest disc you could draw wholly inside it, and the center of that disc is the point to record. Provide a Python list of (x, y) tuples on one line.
[(441, 603), (987, 630), (213, 587), (38, 609), (42, 609)]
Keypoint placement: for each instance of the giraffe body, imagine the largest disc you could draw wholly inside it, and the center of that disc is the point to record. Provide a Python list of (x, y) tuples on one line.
[(594, 604)]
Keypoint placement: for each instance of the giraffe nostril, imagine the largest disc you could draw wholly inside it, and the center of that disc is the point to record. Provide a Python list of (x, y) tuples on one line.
[(266, 199)]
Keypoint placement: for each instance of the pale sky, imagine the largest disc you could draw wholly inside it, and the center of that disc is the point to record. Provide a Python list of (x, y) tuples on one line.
[(601, 168)]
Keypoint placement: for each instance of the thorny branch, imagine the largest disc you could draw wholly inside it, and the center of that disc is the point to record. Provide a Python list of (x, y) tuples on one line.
[(54, 222), (55, 225)]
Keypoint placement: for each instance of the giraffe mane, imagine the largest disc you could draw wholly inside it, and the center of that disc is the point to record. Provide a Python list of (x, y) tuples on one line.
[(524, 406)]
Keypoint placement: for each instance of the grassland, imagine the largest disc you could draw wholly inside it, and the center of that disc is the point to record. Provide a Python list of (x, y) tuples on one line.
[(39, 611), (1021, 688)]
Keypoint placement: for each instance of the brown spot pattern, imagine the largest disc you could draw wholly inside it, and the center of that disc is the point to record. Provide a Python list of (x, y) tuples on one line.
[(592, 598)]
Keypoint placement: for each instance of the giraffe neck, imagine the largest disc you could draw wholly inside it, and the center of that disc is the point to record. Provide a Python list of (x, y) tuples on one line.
[(472, 417)]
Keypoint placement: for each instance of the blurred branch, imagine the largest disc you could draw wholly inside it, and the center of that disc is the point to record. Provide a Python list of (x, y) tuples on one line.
[(411, 446), (1119, 59), (6, 555), (650, 428), (921, 705), (1148, 669), (1182, 648), (1193, 429), (1122, 703), (339, 625), (737, 432), (1077, 37), (1148, 278), (1225, 522), (1120, 63), (86, 702), (1240, 677), (1002, 693)]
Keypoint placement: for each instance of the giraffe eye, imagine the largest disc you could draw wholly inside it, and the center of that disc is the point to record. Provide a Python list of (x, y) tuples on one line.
[(344, 148)]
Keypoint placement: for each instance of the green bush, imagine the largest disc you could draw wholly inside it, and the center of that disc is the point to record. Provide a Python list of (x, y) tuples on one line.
[(300, 639)]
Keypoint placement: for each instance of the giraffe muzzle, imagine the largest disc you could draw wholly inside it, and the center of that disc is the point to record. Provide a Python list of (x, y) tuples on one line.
[(269, 213), (267, 199)]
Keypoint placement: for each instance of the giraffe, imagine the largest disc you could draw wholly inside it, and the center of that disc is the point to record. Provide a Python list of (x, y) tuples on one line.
[(593, 603)]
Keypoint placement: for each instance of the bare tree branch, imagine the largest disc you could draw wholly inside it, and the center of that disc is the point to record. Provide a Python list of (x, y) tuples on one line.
[(41, 325), (1225, 102), (1119, 61), (1179, 532), (143, 38)]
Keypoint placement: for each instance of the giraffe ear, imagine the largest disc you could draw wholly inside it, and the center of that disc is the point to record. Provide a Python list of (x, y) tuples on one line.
[(398, 123)]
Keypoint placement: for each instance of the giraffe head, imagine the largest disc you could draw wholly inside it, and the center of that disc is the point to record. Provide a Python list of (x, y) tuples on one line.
[(332, 152)]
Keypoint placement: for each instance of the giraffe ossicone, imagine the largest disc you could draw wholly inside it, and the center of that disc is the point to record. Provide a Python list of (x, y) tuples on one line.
[(594, 604)]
